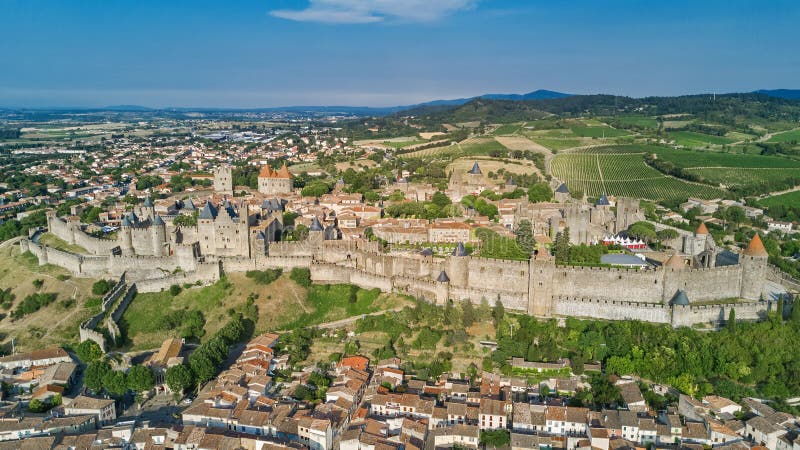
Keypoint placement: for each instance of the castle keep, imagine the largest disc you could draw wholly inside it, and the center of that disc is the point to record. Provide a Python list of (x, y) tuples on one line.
[(246, 234)]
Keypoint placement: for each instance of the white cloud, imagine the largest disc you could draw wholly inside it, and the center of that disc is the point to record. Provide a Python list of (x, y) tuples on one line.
[(370, 11)]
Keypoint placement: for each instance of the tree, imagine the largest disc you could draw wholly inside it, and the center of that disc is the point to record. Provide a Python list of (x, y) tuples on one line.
[(179, 378), (735, 215), (467, 313), (524, 236), (95, 374), (539, 192), (88, 351), (440, 199), (498, 312), (796, 311), (645, 231), (115, 382), (101, 287), (732, 321), (495, 438), (561, 247), (666, 234), (140, 378)]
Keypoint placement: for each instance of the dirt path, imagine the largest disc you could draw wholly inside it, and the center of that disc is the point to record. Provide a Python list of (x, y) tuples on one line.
[(776, 193), (349, 320)]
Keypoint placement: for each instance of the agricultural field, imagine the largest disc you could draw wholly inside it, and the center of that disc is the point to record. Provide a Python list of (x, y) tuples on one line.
[(598, 132), (789, 198), (470, 147), (692, 139), (636, 121), (623, 174), (750, 178), (507, 129), (492, 165), (556, 145), (522, 143), (792, 137), (727, 170)]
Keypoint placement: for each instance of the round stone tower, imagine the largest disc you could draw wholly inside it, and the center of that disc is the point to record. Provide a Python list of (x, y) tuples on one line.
[(754, 269)]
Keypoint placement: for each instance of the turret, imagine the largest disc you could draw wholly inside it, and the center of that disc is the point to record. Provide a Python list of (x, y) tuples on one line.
[(754, 269), (541, 269), (158, 234), (125, 237), (457, 266)]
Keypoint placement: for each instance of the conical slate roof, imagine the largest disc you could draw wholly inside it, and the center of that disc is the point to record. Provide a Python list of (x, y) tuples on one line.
[(126, 222), (260, 236), (460, 250), (158, 220), (148, 202), (756, 247), (443, 278), (426, 252), (208, 212), (133, 218), (603, 201), (315, 225), (563, 189), (188, 205), (679, 299), (476, 169)]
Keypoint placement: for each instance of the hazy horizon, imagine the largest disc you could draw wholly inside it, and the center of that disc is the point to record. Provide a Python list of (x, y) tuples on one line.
[(380, 53)]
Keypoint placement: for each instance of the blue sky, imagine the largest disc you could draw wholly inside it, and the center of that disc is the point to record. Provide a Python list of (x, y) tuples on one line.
[(248, 53)]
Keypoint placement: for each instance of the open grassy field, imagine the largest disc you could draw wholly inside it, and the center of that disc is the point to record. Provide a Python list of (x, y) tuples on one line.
[(51, 240), (54, 324), (623, 174), (692, 139)]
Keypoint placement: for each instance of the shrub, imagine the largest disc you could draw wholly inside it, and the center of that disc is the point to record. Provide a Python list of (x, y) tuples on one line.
[(301, 276), (264, 277), (33, 303), (174, 290), (101, 287)]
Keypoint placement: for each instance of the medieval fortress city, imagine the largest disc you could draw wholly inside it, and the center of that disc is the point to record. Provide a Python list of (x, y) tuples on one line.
[(692, 283)]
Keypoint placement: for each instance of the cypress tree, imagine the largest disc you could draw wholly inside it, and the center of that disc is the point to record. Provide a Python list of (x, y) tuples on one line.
[(732, 321)]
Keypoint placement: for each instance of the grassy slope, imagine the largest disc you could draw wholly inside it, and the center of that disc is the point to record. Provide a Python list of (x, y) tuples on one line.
[(280, 304), (54, 324)]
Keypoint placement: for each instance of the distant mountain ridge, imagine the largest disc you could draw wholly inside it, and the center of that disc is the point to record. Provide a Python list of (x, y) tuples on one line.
[(791, 94)]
